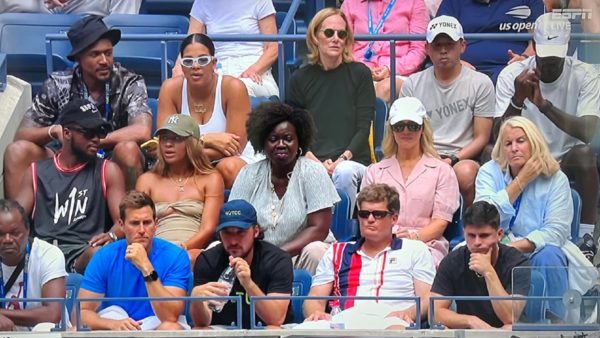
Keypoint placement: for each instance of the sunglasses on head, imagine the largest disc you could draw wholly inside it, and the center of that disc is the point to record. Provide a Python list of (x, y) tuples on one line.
[(411, 126), (201, 61), (342, 34), (377, 214), (90, 133)]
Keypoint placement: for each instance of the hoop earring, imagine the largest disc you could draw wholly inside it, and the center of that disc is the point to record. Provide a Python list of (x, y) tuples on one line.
[(299, 151)]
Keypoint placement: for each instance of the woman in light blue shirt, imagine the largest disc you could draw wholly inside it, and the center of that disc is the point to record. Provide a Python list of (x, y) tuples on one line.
[(534, 199)]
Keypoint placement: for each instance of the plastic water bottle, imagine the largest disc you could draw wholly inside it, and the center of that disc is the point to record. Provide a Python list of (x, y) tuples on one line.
[(335, 310), (228, 278)]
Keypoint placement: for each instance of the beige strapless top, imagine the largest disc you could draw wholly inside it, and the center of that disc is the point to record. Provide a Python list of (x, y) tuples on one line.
[(178, 221)]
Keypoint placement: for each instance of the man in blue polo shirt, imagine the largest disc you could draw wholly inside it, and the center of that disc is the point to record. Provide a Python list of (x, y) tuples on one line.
[(139, 266)]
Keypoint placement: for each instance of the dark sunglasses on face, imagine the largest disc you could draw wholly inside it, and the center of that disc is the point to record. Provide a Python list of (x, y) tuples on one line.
[(411, 126), (342, 34), (170, 138), (202, 61), (90, 133), (377, 214)]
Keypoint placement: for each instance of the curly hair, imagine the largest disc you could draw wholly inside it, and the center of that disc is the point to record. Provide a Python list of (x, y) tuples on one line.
[(268, 115)]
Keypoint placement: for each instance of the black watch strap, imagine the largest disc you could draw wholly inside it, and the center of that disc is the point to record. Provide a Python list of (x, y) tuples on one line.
[(153, 276), (453, 159)]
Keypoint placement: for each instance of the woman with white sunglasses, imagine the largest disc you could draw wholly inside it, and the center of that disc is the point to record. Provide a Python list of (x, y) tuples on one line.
[(218, 103)]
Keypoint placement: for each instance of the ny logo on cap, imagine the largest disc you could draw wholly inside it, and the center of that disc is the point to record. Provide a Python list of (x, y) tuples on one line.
[(173, 119)]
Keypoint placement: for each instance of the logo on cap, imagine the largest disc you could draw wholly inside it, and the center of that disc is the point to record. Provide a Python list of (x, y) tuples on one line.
[(173, 119)]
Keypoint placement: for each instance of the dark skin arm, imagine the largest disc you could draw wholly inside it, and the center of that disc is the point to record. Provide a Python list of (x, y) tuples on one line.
[(318, 223), (25, 196), (115, 190), (48, 312), (138, 130)]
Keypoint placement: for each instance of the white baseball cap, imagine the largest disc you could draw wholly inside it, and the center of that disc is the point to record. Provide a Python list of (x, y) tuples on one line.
[(551, 35), (407, 108), (444, 24)]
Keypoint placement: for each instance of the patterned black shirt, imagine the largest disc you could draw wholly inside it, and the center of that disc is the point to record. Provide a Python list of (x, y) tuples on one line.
[(128, 97)]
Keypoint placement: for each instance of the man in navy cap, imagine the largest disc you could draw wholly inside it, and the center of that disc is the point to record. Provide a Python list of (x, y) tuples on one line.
[(74, 196), (119, 95), (260, 267)]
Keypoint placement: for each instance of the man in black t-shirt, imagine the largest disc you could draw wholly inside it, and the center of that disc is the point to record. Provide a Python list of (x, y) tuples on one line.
[(260, 268), (482, 267)]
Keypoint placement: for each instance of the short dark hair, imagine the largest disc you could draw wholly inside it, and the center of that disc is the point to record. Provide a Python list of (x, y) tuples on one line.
[(135, 200), (268, 115), (7, 205), (481, 214), (198, 38), (380, 192)]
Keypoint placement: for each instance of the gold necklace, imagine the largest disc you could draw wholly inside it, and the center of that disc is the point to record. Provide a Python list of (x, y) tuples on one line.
[(200, 108), (178, 182)]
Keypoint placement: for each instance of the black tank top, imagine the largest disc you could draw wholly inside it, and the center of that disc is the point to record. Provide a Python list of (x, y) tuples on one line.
[(70, 204)]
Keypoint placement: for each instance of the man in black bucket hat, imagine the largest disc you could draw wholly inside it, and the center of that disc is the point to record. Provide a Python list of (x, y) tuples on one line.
[(119, 95)]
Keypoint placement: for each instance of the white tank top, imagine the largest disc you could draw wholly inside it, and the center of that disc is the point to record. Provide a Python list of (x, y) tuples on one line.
[(218, 121)]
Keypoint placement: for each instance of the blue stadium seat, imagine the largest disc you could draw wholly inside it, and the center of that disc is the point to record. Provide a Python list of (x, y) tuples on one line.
[(534, 310), (176, 7), (72, 282), (341, 225), (291, 61), (153, 103), (381, 112), (576, 216), (144, 57), (300, 287), (454, 231), (23, 37)]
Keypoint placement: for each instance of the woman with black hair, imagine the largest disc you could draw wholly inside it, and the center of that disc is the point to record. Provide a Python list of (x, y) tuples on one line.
[(293, 196), (219, 104)]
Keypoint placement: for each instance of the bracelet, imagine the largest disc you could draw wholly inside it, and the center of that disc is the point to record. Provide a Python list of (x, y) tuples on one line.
[(113, 236), (515, 106), (518, 180), (50, 132)]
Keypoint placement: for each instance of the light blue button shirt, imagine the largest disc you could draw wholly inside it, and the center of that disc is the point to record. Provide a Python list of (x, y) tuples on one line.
[(546, 210)]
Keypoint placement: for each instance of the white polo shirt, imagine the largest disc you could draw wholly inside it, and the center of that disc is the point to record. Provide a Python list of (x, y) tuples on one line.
[(391, 273)]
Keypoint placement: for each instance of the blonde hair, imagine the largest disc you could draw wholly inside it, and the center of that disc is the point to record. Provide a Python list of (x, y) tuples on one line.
[(195, 156), (390, 147), (313, 30), (537, 143)]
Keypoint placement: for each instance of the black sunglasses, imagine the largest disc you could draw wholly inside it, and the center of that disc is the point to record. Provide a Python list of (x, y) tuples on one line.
[(377, 214), (90, 133), (412, 126), (342, 34)]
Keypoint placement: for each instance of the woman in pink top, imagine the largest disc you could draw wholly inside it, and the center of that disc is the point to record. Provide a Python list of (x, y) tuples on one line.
[(427, 185), (406, 16)]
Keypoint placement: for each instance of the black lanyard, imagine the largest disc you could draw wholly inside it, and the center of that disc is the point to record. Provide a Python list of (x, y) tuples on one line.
[(86, 96), (24, 262)]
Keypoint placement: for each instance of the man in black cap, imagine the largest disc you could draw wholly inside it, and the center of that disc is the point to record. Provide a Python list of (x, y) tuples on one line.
[(119, 95), (74, 196), (260, 269)]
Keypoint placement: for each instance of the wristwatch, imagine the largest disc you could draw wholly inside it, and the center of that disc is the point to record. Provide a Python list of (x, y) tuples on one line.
[(152, 277), (453, 159)]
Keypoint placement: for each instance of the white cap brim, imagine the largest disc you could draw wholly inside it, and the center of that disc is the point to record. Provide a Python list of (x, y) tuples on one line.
[(551, 50), (408, 117), (432, 35)]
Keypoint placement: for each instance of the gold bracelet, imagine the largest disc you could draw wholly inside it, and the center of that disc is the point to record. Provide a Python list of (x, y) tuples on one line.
[(518, 180), (50, 132)]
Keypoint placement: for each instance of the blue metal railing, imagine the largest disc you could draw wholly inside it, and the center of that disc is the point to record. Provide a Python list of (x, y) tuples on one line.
[(280, 38), (237, 299), (413, 326), (63, 318), (3, 69), (516, 326)]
